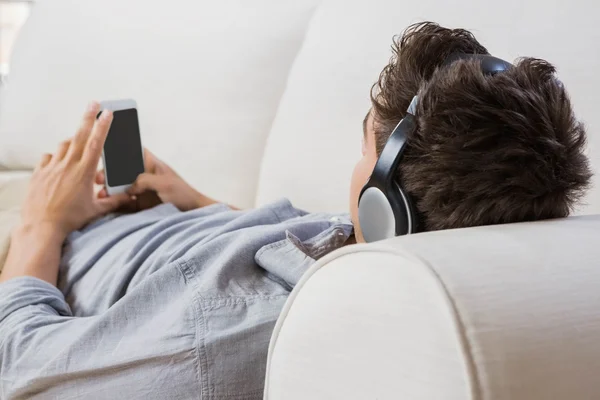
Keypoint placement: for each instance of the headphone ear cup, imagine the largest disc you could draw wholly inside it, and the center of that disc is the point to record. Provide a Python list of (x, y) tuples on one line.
[(376, 215), (383, 208)]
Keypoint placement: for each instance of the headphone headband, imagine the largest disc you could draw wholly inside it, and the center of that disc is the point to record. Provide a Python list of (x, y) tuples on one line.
[(392, 153), (490, 65)]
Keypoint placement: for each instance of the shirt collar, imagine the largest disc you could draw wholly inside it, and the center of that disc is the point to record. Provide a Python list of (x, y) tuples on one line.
[(288, 259)]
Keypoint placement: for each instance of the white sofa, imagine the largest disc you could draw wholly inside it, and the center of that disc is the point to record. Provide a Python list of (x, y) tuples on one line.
[(256, 99)]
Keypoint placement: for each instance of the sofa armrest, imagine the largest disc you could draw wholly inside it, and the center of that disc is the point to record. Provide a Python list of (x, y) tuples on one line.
[(502, 312)]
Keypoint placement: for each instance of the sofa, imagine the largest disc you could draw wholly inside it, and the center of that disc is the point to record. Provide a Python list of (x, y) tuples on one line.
[(251, 100)]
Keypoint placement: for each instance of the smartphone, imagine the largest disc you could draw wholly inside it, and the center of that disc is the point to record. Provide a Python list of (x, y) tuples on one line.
[(123, 154)]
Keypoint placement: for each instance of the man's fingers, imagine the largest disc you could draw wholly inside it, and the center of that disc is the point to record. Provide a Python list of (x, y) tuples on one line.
[(63, 147), (102, 193), (46, 158), (112, 203), (84, 131), (144, 183), (100, 177), (95, 143)]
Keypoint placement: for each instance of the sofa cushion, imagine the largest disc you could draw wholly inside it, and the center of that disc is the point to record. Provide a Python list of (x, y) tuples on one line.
[(207, 76), (315, 139)]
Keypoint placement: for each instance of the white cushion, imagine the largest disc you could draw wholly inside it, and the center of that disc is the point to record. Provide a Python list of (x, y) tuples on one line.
[(506, 312), (315, 139), (207, 76)]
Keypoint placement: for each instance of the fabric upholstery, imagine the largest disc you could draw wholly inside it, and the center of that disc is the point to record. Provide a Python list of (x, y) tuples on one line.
[(503, 312)]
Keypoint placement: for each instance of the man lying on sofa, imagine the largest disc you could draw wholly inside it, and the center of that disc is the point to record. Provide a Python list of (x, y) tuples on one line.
[(179, 300)]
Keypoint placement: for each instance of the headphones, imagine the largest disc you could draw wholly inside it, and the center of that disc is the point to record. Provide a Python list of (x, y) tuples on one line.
[(384, 208)]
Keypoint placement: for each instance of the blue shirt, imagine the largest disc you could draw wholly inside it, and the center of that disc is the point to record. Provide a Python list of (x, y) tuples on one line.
[(161, 304)]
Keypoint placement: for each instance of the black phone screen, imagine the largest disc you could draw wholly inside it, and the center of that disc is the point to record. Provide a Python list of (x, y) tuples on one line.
[(123, 157)]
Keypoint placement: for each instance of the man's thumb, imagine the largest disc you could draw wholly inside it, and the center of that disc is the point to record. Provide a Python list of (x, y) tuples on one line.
[(112, 203), (144, 183)]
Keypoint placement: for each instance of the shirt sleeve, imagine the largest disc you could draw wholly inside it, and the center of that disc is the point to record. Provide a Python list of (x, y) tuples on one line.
[(32, 315), (19, 293), (46, 352)]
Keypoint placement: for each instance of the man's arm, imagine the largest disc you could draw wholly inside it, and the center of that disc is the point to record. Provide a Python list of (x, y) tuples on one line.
[(45, 351), (34, 251), (161, 184), (60, 200)]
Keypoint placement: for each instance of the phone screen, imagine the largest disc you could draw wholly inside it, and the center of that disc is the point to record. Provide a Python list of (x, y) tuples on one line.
[(123, 155)]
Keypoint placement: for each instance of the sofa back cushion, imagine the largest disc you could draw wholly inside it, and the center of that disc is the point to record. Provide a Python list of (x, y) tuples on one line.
[(207, 76), (315, 139)]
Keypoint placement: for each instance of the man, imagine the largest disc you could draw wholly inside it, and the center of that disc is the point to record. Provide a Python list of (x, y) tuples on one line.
[(179, 300)]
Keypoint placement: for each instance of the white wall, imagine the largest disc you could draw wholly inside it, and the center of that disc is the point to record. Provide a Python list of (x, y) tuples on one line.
[(12, 16)]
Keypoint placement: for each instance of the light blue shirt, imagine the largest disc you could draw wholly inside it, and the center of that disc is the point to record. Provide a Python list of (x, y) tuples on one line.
[(161, 304)]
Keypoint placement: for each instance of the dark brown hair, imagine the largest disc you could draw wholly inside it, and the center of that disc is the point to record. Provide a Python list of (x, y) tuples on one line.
[(488, 149)]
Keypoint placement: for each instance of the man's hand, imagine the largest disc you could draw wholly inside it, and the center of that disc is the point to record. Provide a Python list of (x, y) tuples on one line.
[(60, 200), (160, 184), (61, 192)]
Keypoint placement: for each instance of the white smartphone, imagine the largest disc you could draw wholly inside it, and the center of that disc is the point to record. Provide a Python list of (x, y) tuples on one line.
[(123, 154)]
